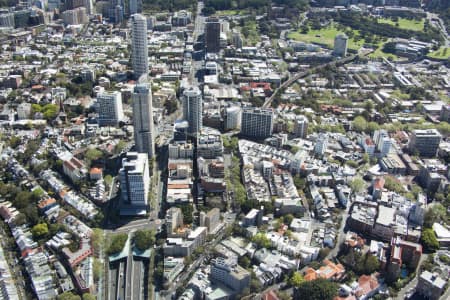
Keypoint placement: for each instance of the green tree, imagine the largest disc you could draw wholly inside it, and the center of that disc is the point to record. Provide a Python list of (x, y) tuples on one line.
[(15, 141), (296, 279), (435, 213), (144, 239), (372, 126), (360, 124), (120, 146), (393, 184), (357, 185), (39, 230), (261, 241), (68, 296), (87, 296), (429, 240), (93, 154), (117, 243), (371, 264), (319, 289)]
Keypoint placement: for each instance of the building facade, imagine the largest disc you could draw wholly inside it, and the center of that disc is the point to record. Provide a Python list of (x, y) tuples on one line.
[(192, 110), (212, 35), (340, 45), (257, 122), (135, 180), (139, 45), (425, 142), (144, 136), (110, 111)]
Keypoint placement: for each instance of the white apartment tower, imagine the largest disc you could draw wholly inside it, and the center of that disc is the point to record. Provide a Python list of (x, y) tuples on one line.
[(144, 136), (192, 109), (233, 117), (340, 45), (135, 180), (139, 49), (110, 111)]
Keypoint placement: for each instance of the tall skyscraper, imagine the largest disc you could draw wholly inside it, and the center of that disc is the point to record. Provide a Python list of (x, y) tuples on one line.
[(143, 119), (139, 49), (301, 126), (135, 6), (212, 35), (257, 122), (135, 183), (340, 45), (192, 109), (110, 111)]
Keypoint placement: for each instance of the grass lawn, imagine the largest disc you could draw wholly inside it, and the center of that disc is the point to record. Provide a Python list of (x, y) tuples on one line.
[(324, 36), (416, 25), (378, 53), (441, 53), (230, 12)]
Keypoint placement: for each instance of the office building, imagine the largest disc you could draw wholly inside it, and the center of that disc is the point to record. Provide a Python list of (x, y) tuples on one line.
[(301, 127), (425, 142), (144, 136), (72, 4), (134, 183), (229, 273), (139, 48), (7, 19), (340, 45), (257, 122), (75, 16), (233, 117), (430, 285), (181, 18), (135, 7), (212, 35), (192, 110), (110, 111), (321, 144)]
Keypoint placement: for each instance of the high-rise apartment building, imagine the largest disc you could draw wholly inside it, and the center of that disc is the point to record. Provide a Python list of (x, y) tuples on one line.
[(233, 117), (257, 122), (144, 135), (321, 144), (340, 45), (212, 35), (139, 49), (192, 109), (301, 126), (426, 142), (135, 7), (110, 111), (135, 182)]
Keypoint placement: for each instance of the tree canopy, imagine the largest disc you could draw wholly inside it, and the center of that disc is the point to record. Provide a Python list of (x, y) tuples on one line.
[(319, 289), (117, 243), (429, 240), (39, 230), (261, 241), (296, 279), (144, 239), (435, 213)]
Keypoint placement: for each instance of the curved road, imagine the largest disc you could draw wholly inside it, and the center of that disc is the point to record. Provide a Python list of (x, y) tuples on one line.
[(297, 76)]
